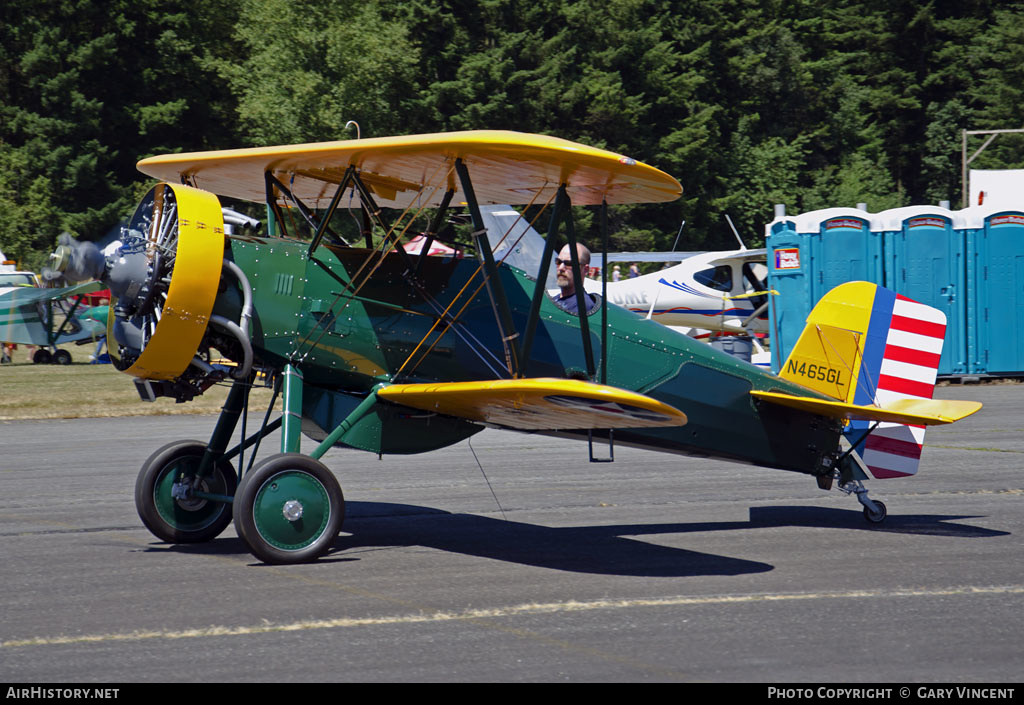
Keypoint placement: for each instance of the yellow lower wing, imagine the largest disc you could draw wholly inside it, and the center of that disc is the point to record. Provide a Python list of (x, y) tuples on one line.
[(542, 404), (927, 412)]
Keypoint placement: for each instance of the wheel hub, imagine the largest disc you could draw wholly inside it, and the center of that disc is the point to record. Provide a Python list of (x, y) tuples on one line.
[(292, 510), (182, 492)]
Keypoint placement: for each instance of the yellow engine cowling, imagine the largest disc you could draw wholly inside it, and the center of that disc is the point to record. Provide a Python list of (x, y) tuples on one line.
[(182, 227)]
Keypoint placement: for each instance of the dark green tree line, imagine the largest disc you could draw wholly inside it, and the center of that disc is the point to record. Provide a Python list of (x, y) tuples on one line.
[(747, 102)]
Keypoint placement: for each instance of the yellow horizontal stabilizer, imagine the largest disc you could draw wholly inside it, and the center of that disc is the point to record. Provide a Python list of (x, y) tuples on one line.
[(927, 412), (542, 404)]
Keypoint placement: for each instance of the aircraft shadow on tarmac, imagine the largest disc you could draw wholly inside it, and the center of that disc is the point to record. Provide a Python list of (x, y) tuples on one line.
[(608, 550), (828, 518)]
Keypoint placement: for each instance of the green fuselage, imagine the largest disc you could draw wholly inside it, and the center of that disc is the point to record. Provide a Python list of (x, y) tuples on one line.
[(346, 339)]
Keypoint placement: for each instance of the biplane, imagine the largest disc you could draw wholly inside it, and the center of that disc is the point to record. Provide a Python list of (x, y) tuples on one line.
[(31, 315), (372, 347)]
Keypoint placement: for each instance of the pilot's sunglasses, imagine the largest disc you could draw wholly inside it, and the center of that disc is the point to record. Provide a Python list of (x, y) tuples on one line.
[(560, 262)]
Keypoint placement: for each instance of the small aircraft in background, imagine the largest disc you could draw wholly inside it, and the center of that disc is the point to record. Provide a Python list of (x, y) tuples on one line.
[(46, 318), (718, 297), (369, 346), (707, 291)]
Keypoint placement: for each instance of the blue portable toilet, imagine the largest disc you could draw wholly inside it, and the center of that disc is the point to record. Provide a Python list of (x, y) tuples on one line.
[(969, 264), (996, 288), (788, 259), (925, 250), (810, 254)]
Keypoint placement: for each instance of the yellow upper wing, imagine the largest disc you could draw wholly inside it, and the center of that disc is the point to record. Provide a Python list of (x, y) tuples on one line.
[(506, 167), (541, 404)]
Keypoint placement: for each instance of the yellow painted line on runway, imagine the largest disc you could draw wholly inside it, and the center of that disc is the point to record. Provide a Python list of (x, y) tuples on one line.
[(511, 611)]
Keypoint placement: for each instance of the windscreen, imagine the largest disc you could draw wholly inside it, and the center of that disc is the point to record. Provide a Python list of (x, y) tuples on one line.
[(515, 243)]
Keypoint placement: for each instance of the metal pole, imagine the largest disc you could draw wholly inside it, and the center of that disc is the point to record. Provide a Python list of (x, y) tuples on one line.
[(964, 161), (274, 215), (963, 169), (364, 406), (508, 332), (325, 219), (561, 203), (604, 290), (226, 423), (434, 228), (291, 426), (581, 296), (677, 235)]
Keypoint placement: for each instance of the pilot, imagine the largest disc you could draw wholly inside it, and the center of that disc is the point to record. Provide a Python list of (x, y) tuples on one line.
[(566, 300)]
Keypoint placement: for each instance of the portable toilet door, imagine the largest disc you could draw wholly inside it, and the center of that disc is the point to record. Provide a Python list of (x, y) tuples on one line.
[(926, 264), (846, 251), (1000, 289), (809, 255)]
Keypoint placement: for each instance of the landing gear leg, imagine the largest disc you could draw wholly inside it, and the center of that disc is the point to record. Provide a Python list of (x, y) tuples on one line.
[(183, 493), (850, 473), (874, 510)]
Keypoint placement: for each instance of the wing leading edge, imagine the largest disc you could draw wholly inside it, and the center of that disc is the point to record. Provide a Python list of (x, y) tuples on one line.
[(23, 296), (508, 168)]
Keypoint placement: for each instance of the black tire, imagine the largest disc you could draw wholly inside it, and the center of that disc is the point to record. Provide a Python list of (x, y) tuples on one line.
[(289, 509), (62, 357), (876, 517), (183, 520), (41, 356)]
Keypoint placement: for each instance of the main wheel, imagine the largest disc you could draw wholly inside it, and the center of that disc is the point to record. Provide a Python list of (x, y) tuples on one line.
[(876, 517), (41, 356), (166, 506), (289, 509), (62, 357)]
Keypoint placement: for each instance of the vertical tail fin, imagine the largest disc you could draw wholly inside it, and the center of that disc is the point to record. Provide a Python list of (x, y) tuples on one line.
[(867, 345)]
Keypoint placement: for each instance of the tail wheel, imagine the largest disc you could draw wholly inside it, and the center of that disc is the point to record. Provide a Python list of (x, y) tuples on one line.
[(165, 281), (164, 499), (877, 516), (289, 509)]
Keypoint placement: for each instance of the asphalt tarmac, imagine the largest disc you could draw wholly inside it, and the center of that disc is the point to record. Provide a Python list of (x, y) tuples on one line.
[(515, 559)]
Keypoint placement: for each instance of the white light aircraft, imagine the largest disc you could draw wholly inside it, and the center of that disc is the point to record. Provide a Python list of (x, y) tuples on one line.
[(708, 291)]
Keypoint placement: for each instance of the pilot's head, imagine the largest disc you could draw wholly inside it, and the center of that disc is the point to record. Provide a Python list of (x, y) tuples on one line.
[(563, 271)]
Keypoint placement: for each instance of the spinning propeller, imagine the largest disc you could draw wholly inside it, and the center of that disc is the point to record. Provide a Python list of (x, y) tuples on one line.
[(163, 279)]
